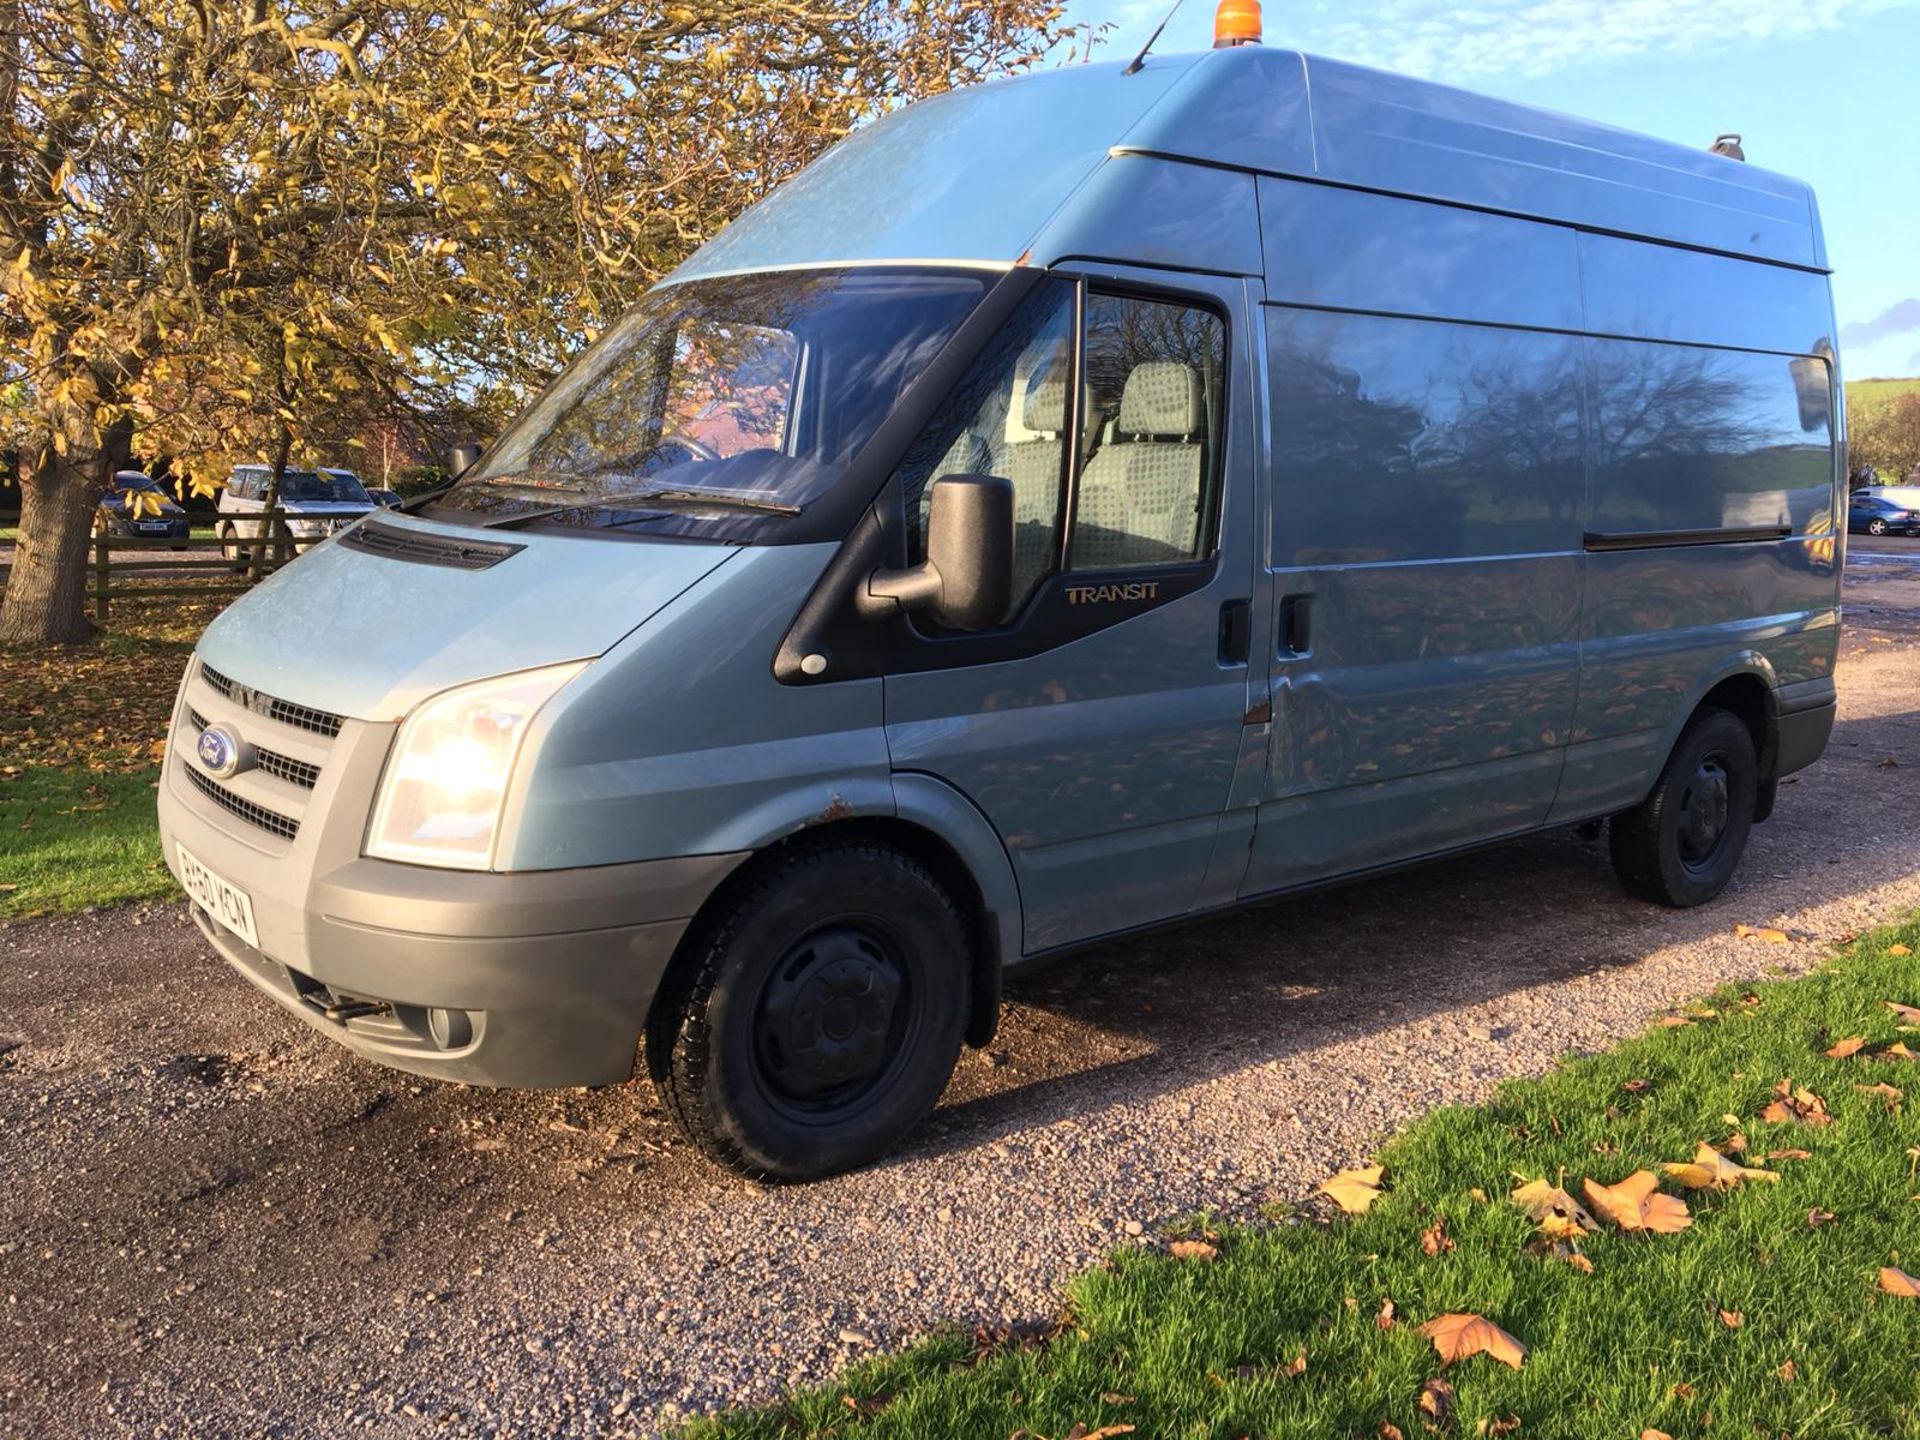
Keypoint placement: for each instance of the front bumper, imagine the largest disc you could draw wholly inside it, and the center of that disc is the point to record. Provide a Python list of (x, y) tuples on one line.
[(538, 978)]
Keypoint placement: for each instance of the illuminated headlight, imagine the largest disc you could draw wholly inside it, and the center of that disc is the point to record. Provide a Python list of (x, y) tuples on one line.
[(446, 780)]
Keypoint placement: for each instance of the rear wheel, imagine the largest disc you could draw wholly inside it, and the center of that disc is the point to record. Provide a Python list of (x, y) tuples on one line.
[(818, 1017), (229, 545), (1681, 845)]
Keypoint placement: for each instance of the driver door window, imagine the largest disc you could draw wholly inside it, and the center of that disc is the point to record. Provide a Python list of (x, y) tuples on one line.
[(1145, 460)]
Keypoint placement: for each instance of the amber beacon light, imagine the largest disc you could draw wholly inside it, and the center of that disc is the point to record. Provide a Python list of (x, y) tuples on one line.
[(1236, 22)]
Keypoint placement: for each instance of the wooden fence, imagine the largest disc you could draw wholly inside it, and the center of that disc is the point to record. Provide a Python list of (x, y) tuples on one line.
[(129, 568)]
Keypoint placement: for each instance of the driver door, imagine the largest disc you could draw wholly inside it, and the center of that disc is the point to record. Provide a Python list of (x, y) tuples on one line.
[(1099, 728)]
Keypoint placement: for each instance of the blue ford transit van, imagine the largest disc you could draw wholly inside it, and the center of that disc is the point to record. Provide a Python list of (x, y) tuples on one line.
[(1075, 503)]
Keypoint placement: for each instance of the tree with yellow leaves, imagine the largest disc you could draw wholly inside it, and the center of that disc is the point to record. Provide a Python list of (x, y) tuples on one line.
[(222, 224)]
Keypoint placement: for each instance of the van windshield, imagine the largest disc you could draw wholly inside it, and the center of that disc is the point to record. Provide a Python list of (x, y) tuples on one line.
[(736, 398)]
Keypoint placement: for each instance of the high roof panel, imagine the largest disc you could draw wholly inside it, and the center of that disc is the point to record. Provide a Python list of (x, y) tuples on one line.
[(971, 175), (1283, 113), (976, 175)]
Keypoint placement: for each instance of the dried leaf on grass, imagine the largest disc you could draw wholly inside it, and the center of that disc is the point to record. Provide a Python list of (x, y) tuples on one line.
[(1795, 1106), (1899, 950), (1434, 1240), (1193, 1250), (1766, 933), (1710, 1170), (1636, 1204), (1908, 1013), (1816, 1217), (1889, 1093), (1896, 1281), (1456, 1336), (1384, 1320), (1556, 1212), (1849, 1046), (1732, 1319), (1791, 1153), (1105, 1432), (1354, 1191), (1436, 1404)]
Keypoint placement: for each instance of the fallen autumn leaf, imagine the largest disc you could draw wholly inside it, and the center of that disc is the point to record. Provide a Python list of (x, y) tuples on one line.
[(1456, 1336), (1354, 1191), (1636, 1204)]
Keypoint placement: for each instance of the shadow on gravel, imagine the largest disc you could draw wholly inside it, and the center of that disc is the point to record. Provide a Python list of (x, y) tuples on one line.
[(1218, 996)]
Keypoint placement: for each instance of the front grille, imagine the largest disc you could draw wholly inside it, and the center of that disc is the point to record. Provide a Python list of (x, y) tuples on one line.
[(294, 772), (303, 717), (269, 820)]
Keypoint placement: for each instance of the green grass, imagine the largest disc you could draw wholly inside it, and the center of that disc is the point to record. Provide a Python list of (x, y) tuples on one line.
[(70, 838), (1192, 1349), (1878, 392)]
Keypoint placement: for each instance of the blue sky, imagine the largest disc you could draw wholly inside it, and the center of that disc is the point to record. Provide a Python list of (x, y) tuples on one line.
[(1827, 90)]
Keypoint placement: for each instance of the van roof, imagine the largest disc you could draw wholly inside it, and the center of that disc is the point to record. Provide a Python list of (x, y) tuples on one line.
[(980, 175)]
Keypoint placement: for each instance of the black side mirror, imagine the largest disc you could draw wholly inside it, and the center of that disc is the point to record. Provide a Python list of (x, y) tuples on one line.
[(966, 581), (462, 459)]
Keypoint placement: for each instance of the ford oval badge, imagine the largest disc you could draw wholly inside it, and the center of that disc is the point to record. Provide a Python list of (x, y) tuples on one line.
[(219, 751)]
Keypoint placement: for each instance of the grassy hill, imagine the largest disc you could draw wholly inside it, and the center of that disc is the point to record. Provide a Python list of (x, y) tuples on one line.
[(1870, 394)]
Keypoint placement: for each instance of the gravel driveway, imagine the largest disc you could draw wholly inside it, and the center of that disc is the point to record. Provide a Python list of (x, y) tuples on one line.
[(217, 1223)]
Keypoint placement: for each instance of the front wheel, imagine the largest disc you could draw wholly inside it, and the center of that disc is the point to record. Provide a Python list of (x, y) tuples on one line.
[(1681, 845), (1876, 527), (818, 1017)]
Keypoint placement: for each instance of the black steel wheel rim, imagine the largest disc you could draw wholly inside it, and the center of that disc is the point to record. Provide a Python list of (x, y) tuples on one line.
[(1706, 804), (833, 1021)]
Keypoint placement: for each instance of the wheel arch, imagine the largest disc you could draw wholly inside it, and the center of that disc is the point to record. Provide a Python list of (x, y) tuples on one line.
[(1744, 686), (931, 823)]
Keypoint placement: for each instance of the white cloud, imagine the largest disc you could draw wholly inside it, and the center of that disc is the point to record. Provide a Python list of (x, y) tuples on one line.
[(1538, 37)]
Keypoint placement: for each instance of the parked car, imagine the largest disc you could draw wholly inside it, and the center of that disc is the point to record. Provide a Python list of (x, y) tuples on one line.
[(316, 503), (119, 516), (1350, 471), (1877, 515)]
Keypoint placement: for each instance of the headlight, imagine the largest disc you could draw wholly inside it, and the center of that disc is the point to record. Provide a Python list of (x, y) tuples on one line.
[(307, 527), (446, 779)]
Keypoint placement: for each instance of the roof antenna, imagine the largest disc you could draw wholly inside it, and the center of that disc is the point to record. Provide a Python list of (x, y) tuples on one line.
[(1729, 146), (1133, 66)]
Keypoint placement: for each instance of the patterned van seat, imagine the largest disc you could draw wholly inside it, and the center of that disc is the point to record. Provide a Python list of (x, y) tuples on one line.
[(1140, 494)]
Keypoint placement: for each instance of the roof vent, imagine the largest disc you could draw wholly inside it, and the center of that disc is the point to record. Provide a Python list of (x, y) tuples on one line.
[(1728, 145)]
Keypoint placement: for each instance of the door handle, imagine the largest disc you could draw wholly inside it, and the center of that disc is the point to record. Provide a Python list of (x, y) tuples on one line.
[(1236, 632), (1296, 624)]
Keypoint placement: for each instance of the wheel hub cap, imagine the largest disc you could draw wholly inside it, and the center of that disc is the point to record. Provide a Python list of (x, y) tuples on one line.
[(1703, 810), (826, 1020)]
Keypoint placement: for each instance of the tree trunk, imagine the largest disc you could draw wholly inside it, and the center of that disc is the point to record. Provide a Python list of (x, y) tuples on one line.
[(45, 602)]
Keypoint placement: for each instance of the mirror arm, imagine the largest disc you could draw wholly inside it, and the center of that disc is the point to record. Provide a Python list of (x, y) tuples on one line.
[(887, 592)]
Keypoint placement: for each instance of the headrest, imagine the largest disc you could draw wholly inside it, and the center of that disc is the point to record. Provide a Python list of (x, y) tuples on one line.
[(1045, 407), (967, 455), (1162, 397)]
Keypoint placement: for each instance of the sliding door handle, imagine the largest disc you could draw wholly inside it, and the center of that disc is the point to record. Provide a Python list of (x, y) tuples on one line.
[(1296, 624)]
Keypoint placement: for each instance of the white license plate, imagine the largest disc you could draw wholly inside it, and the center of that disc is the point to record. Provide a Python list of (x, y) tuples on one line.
[(220, 898), (154, 525)]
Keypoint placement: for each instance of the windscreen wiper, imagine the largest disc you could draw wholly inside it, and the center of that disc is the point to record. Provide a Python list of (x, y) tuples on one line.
[(647, 497)]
